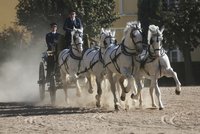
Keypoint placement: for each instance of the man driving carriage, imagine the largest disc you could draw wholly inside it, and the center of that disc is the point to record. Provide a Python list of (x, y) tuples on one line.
[(52, 41), (70, 23)]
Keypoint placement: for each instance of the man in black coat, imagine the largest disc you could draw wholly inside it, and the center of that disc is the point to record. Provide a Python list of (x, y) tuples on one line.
[(70, 23), (52, 40)]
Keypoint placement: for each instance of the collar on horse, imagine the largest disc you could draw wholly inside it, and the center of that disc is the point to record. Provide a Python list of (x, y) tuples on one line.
[(124, 50), (74, 56)]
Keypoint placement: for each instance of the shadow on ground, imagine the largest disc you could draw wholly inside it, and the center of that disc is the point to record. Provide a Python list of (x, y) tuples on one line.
[(13, 109)]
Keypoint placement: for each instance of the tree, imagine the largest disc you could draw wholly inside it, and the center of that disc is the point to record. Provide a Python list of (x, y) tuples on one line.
[(36, 15), (149, 12), (183, 30), (12, 38)]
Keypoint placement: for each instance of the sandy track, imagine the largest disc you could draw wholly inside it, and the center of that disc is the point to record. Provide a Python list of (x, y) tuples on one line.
[(180, 116)]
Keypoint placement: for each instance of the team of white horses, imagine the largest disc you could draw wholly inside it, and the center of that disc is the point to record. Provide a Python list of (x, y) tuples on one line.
[(117, 63)]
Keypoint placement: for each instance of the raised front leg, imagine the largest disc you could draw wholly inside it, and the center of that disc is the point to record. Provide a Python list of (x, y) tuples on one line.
[(78, 88), (170, 73), (140, 85), (89, 81), (123, 93)]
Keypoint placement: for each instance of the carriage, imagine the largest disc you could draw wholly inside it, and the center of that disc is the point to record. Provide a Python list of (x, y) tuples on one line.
[(53, 82)]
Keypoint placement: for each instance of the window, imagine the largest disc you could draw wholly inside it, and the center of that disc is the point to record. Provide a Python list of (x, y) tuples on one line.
[(175, 55)]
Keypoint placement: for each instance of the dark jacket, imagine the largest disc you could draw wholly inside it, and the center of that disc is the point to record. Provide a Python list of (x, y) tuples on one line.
[(51, 40), (70, 24)]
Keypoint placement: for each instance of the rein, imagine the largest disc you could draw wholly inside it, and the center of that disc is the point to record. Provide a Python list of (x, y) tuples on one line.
[(125, 48), (93, 63), (74, 56), (106, 44)]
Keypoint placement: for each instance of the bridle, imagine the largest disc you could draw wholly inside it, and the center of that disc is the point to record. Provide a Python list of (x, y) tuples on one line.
[(76, 45), (133, 36), (158, 38), (112, 40), (127, 50)]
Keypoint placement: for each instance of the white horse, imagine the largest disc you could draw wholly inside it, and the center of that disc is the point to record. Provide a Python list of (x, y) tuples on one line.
[(156, 66), (119, 59), (70, 62), (94, 63)]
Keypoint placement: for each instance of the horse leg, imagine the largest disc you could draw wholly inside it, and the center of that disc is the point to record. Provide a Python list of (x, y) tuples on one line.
[(171, 73), (113, 89), (66, 95), (117, 84), (99, 91), (152, 97), (121, 83), (158, 93), (139, 88), (140, 101), (89, 78), (78, 88), (64, 81)]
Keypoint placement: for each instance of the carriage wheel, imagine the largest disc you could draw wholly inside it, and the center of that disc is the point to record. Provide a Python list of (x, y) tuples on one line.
[(52, 89), (41, 81)]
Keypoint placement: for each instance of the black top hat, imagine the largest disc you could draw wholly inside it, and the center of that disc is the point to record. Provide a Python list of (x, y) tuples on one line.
[(53, 24), (71, 11)]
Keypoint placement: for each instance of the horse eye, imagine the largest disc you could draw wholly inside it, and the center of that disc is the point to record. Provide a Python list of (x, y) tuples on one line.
[(151, 41), (134, 35)]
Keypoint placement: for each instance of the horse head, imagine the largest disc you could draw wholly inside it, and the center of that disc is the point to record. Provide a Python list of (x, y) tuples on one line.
[(133, 37), (77, 40), (107, 37), (155, 37)]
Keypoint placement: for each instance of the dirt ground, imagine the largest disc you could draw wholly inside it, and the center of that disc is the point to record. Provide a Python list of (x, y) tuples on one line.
[(181, 115)]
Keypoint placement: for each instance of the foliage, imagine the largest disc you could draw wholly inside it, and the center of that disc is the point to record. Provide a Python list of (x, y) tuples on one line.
[(36, 15), (12, 38), (149, 12), (183, 24)]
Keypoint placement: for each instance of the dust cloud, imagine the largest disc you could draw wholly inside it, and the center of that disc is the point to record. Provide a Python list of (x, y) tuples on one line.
[(19, 75)]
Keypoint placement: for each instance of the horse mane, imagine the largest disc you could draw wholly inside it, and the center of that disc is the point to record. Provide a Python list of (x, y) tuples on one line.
[(153, 29), (129, 25)]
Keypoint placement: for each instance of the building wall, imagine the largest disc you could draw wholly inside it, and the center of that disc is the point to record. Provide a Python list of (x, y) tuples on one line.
[(127, 10), (196, 55), (8, 13)]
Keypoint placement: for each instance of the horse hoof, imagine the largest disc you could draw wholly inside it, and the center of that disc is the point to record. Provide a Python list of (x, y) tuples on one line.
[(161, 108), (122, 98), (132, 96), (116, 108), (98, 105), (126, 91), (177, 92), (154, 106), (90, 91), (97, 97)]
